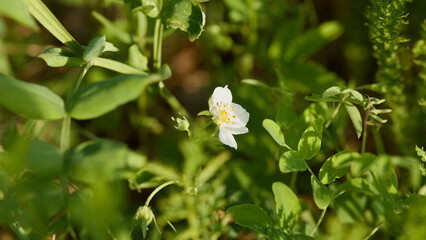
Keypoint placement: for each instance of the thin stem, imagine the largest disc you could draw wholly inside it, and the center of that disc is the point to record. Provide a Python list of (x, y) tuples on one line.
[(158, 32), (336, 110), (65, 133), (66, 122), (319, 221), (157, 190), (364, 130), (372, 232)]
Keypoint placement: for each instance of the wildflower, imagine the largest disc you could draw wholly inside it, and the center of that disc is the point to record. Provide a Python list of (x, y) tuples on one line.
[(230, 117)]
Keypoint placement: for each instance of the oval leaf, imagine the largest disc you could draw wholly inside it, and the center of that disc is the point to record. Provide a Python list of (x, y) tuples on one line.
[(99, 98), (44, 158), (292, 161), (322, 195), (310, 142), (29, 99), (332, 167), (251, 216), (275, 131), (287, 206)]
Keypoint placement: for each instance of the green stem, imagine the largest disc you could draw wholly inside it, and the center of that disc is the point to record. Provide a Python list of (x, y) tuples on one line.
[(66, 122), (158, 32), (336, 110), (157, 190), (65, 133), (364, 133), (319, 222), (372, 232)]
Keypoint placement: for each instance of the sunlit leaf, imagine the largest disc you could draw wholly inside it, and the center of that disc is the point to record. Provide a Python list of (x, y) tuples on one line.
[(275, 131), (328, 173), (322, 195), (95, 48), (287, 206), (310, 142), (18, 10), (291, 161), (60, 57), (137, 59)]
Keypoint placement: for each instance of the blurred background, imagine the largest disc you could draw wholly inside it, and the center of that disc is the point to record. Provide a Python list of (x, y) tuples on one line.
[(295, 47)]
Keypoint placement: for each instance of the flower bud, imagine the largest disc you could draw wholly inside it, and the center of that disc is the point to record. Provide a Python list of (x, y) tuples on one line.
[(144, 213)]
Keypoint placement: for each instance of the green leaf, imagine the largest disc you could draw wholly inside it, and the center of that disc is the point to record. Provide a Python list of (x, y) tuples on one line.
[(150, 7), (18, 11), (362, 163), (328, 173), (205, 113), (287, 206), (355, 117), (251, 216), (44, 158), (184, 15), (291, 161), (310, 42), (51, 23), (109, 47), (60, 57), (95, 48), (115, 66), (322, 195), (348, 208), (102, 160), (115, 31), (275, 131), (285, 116), (331, 92), (278, 234), (137, 59), (307, 76), (29, 99), (310, 142), (102, 97)]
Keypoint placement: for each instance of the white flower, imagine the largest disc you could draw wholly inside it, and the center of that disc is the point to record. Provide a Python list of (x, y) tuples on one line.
[(231, 117)]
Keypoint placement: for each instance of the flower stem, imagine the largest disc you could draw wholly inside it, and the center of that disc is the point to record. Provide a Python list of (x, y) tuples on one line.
[(158, 42), (372, 232), (157, 190)]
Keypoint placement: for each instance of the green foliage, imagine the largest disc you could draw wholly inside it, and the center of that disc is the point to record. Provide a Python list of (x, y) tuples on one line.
[(30, 99), (126, 172)]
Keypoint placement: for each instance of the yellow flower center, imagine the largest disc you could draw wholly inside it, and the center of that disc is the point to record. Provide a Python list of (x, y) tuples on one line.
[(225, 114)]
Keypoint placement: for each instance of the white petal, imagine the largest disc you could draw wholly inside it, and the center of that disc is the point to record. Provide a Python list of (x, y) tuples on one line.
[(213, 108), (226, 137), (236, 129), (223, 95), (240, 113)]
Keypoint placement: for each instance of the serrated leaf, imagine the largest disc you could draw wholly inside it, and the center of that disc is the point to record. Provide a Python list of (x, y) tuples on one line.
[(95, 48), (275, 131), (285, 116), (287, 206), (291, 161), (59, 57), (355, 116), (99, 98), (322, 195), (310, 142), (251, 216), (184, 15), (29, 99)]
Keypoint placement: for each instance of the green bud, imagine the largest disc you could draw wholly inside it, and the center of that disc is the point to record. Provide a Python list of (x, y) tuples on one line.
[(182, 123), (144, 213)]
